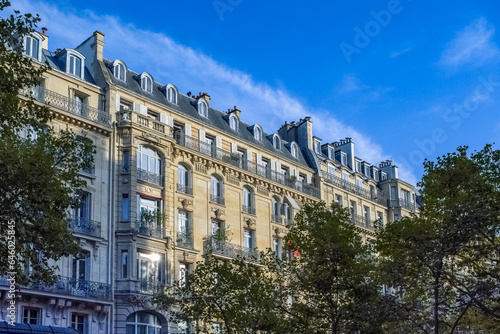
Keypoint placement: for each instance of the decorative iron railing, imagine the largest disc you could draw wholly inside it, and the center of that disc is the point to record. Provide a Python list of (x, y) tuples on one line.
[(361, 221), (144, 121), (375, 196), (185, 239), (401, 202), (277, 218), (239, 161), (223, 248), (249, 209), (85, 226), (182, 188), (151, 286), (217, 199), (73, 106), (149, 177), (70, 286), (152, 229)]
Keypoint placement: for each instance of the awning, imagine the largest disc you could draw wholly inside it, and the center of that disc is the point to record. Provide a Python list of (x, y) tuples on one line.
[(292, 203), (34, 329)]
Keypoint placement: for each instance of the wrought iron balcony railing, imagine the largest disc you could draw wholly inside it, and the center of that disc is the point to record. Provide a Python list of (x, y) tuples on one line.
[(249, 209), (217, 199), (277, 218), (223, 248), (182, 188), (152, 229), (71, 287), (239, 161), (185, 239), (361, 221), (150, 177), (85, 226), (72, 106), (150, 287), (403, 203), (375, 196)]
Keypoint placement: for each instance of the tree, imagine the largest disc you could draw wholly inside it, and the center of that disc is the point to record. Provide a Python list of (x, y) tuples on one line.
[(39, 168), (444, 261)]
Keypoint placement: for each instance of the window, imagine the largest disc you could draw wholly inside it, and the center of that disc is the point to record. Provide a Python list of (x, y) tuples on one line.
[(287, 212), (216, 190), (295, 151), (343, 157), (150, 268), (354, 208), (276, 142), (276, 217), (380, 216), (183, 180), (358, 166), (367, 216), (257, 133), (147, 205), (79, 322), (78, 104), (383, 176), (79, 269), (183, 222), (125, 207), (126, 161), (203, 109), (31, 316), (397, 217), (248, 200), (331, 154), (183, 270), (146, 83), (331, 170), (233, 122), (345, 177), (359, 183), (216, 227), (75, 66), (148, 164), (216, 328), (83, 212), (278, 247), (338, 199), (124, 260), (248, 236), (171, 95), (142, 323), (32, 47), (317, 146), (119, 72)]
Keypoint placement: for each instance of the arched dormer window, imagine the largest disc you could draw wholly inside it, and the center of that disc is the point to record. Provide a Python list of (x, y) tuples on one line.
[(75, 62), (119, 70), (32, 46), (171, 94), (233, 122), (257, 132), (203, 108), (276, 142), (147, 82), (294, 150)]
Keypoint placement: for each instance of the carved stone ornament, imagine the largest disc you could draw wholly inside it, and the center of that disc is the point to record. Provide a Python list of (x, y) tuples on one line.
[(125, 133), (279, 232), (185, 204), (145, 303), (250, 223), (218, 214)]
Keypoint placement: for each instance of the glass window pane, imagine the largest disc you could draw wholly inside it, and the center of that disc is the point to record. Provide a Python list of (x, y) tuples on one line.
[(130, 329)]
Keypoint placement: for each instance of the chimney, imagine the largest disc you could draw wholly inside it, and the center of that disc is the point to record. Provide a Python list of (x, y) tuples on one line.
[(98, 44), (44, 30), (45, 41), (206, 97), (236, 111)]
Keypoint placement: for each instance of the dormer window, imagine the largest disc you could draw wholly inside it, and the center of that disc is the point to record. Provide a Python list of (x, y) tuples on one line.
[(233, 122), (276, 142), (294, 150), (171, 95), (331, 154), (75, 66), (32, 47), (257, 133), (317, 146), (146, 83), (119, 72), (358, 166), (203, 109)]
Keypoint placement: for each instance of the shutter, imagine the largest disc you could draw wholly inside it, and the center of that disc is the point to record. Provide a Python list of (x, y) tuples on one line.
[(273, 164), (278, 167), (259, 158), (201, 135), (136, 107), (170, 121), (249, 154), (187, 130), (117, 102), (144, 110), (218, 142), (163, 118), (308, 179), (234, 148)]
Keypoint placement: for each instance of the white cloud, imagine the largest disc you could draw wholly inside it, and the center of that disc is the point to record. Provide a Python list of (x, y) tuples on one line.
[(191, 70), (399, 53), (472, 45)]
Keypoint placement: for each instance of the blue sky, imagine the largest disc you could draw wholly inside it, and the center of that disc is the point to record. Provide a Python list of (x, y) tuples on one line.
[(405, 79)]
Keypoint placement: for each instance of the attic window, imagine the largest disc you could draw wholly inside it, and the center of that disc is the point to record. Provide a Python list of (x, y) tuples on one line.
[(294, 150), (146, 83), (233, 122), (119, 72), (257, 133), (276, 142), (203, 109), (75, 66), (171, 95), (32, 47), (317, 146)]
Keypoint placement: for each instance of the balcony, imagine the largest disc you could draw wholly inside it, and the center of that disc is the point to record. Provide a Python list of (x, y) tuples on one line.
[(361, 221), (150, 229), (212, 246), (85, 226), (144, 122), (66, 104), (149, 177), (277, 219), (249, 209), (402, 203), (185, 239), (70, 287), (375, 196), (239, 161), (217, 199), (182, 188), (151, 287)]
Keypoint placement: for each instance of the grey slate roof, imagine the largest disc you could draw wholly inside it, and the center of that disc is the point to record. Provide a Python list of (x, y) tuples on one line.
[(55, 62), (216, 118)]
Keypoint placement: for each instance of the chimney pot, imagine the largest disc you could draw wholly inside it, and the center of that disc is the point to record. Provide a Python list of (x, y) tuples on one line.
[(44, 30)]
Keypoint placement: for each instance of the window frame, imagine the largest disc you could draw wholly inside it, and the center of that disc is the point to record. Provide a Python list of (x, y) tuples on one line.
[(147, 82), (202, 109)]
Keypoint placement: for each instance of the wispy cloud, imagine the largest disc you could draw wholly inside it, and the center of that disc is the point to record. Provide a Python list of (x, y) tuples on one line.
[(399, 53), (191, 70), (351, 84), (473, 45)]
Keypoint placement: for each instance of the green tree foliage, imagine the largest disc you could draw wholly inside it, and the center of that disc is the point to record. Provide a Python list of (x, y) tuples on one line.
[(39, 168), (445, 260)]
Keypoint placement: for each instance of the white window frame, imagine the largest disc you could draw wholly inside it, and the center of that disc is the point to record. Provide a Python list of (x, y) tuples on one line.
[(294, 150), (29, 50), (257, 133), (147, 83), (276, 142), (171, 93), (203, 109), (233, 122)]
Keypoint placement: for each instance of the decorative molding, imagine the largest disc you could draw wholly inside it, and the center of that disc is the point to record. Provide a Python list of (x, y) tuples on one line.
[(233, 179), (279, 232), (185, 204), (250, 223), (218, 214), (200, 167), (262, 190)]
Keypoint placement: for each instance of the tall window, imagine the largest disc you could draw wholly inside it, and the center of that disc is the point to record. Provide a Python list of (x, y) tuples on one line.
[(143, 323), (248, 200), (119, 72), (331, 170), (183, 222), (233, 122), (248, 241), (278, 247), (31, 316), (32, 47), (146, 84), (359, 183), (367, 216), (287, 212), (295, 151), (216, 190), (150, 267), (80, 270), (148, 160), (183, 180), (171, 95), (338, 199), (317, 146), (183, 270), (84, 210), (354, 208), (79, 322), (203, 109), (75, 66), (257, 133), (124, 261), (276, 209), (276, 142)]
